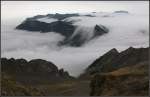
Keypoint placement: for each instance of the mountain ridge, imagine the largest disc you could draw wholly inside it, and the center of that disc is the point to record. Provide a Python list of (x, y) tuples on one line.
[(34, 70), (130, 79), (58, 23)]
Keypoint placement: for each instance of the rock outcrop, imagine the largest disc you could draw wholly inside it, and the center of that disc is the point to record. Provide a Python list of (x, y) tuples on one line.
[(100, 30)]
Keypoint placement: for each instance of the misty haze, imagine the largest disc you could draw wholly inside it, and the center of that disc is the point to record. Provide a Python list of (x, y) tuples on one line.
[(69, 46)]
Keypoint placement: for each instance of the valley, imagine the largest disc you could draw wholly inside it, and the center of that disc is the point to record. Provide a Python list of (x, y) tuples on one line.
[(37, 78)]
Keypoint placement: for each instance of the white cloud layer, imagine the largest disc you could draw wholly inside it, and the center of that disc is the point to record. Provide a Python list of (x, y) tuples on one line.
[(125, 31)]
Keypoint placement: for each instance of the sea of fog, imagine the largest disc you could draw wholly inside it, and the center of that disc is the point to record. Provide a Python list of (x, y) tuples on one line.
[(125, 30)]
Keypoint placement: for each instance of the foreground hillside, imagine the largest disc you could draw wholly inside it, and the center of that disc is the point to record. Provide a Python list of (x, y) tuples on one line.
[(124, 73), (21, 77), (113, 74), (113, 60), (127, 81)]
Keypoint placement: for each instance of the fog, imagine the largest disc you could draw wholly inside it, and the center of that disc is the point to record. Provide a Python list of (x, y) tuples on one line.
[(13, 9), (125, 30)]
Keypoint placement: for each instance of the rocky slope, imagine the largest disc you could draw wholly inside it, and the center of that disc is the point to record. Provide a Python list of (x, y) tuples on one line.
[(120, 74), (127, 81), (31, 72), (25, 78), (113, 74), (113, 60)]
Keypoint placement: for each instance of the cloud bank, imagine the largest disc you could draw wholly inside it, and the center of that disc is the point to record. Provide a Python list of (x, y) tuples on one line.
[(125, 31)]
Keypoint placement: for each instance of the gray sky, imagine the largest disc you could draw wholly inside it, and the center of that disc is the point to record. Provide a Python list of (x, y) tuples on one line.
[(11, 9)]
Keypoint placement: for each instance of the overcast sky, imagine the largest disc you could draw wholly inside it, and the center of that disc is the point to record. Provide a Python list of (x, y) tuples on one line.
[(11, 9)]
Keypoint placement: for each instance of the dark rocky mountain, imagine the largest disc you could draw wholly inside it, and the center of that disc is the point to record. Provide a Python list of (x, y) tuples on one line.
[(126, 81), (62, 27), (113, 74), (100, 30), (78, 39), (119, 73), (113, 60), (33, 71)]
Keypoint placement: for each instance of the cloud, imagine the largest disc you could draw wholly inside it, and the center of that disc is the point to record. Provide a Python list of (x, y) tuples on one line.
[(13, 9), (124, 31)]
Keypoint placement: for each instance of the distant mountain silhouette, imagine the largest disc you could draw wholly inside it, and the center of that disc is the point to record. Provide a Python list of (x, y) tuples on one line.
[(60, 26)]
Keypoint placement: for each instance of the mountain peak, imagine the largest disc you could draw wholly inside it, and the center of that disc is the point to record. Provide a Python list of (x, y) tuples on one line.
[(113, 60), (114, 50)]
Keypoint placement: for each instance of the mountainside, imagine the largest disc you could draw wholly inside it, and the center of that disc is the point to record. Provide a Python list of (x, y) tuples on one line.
[(123, 74), (102, 78), (126, 81), (59, 23), (113, 60), (33, 71), (10, 87)]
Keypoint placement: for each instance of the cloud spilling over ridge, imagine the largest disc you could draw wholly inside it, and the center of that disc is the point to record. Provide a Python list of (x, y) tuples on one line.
[(125, 30)]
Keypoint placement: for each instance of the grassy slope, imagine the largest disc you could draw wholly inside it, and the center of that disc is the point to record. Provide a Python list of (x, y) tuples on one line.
[(12, 88), (66, 88), (130, 80), (127, 81)]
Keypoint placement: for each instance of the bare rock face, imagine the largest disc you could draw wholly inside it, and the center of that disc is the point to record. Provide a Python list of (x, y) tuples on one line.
[(100, 30)]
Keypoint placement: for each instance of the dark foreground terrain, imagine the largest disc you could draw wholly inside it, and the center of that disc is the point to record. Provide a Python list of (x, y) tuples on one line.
[(115, 73)]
